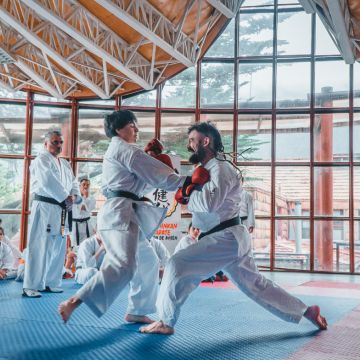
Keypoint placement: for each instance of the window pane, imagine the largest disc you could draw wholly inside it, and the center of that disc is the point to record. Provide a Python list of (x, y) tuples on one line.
[(357, 191), (224, 123), (255, 85), (12, 95), (260, 241), (331, 191), (332, 251), (180, 90), (292, 190), (257, 180), (331, 137), (217, 85), (11, 225), (254, 138), (331, 84), (47, 119), (290, 40), (110, 102), (93, 171), (292, 251), (356, 135), (146, 123), (144, 99), (174, 132), (224, 46), (39, 97), (293, 138), (293, 85), (12, 129), (92, 141), (356, 84), (357, 245), (256, 34), (324, 43), (254, 3), (11, 183)]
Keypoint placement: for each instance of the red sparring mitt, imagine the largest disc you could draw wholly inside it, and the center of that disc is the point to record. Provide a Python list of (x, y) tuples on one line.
[(199, 178), (165, 159), (180, 198), (154, 145)]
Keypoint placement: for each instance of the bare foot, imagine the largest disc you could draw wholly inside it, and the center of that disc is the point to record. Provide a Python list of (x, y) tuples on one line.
[(66, 308), (312, 313), (157, 327), (139, 319)]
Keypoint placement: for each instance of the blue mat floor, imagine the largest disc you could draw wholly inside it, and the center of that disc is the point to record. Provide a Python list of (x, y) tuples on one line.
[(214, 324)]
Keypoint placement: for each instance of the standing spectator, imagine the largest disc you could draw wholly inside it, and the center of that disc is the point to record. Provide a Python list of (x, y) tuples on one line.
[(55, 190)]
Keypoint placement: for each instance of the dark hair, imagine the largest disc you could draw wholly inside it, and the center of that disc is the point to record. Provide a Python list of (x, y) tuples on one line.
[(84, 179), (118, 120), (2, 229), (208, 129), (190, 225)]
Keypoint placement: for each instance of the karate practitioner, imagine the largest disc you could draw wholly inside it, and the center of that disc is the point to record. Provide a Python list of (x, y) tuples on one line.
[(7, 259), (55, 189), (127, 172), (90, 256), (246, 213), (16, 254), (224, 244), (189, 239), (82, 228)]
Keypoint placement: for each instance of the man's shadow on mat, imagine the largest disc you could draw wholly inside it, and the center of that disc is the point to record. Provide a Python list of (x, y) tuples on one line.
[(153, 346)]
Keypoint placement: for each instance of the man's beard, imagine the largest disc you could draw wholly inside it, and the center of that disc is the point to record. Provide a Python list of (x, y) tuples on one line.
[(198, 156)]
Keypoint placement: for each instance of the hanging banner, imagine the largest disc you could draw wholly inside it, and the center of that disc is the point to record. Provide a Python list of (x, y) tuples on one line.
[(169, 231)]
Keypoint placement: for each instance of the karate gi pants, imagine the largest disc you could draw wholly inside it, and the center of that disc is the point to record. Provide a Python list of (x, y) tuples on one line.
[(230, 251)]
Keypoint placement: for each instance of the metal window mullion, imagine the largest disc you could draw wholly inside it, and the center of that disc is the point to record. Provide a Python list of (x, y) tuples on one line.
[(26, 178), (312, 117), (351, 169), (236, 88), (273, 140)]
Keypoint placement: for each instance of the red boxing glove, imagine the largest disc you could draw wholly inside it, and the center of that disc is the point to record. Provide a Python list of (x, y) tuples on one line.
[(200, 176), (165, 159), (180, 198)]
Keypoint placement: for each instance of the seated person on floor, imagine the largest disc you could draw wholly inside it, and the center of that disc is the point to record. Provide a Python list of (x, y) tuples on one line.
[(7, 259), (90, 255)]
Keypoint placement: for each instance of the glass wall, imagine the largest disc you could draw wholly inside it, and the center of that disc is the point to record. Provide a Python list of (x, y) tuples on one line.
[(283, 102)]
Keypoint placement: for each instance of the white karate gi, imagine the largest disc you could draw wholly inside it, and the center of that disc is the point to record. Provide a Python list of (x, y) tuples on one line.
[(15, 252), (46, 247), (7, 260), (126, 168), (161, 251), (86, 263), (247, 209), (184, 242), (89, 203), (228, 249), (144, 286)]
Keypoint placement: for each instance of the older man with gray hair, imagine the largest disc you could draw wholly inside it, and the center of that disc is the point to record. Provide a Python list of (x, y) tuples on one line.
[(55, 189)]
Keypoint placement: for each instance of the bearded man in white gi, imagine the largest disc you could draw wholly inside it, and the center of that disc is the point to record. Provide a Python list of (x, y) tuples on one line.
[(224, 244), (55, 189), (127, 174), (82, 228)]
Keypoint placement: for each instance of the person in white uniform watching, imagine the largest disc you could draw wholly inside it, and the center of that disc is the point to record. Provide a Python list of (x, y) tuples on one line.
[(189, 239), (16, 254), (127, 173), (82, 228), (7, 259), (90, 256), (55, 189), (225, 243)]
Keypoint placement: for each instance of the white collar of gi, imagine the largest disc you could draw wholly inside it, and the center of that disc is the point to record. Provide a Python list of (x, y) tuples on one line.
[(210, 163)]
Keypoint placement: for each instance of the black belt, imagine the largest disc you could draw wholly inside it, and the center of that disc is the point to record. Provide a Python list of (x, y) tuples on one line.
[(223, 225), (243, 218), (63, 212), (77, 221), (110, 194)]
